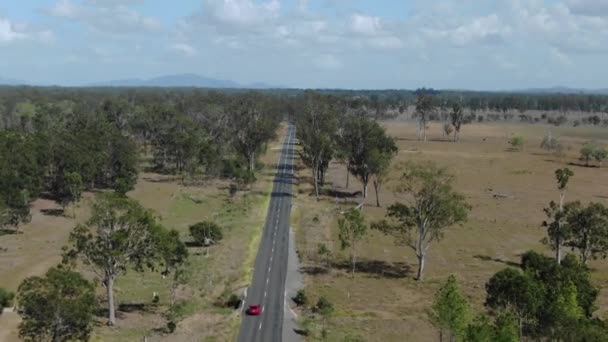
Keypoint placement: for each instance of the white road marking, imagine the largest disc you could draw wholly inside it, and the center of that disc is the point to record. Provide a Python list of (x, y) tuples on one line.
[(265, 294), (260, 327), (267, 280)]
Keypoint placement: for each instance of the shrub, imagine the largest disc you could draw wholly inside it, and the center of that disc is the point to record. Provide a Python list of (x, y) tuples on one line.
[(6, 298), (550, 143), (171, 326), (206, 233), (517, 142), (301, 299), (588, 152), (448, 129), (324, 306)]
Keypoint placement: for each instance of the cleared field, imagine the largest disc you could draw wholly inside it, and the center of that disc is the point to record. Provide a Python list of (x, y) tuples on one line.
[(384, 302), (225, 268)]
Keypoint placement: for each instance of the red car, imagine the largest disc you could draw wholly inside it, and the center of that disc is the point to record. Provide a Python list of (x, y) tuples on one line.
[(254, 310)]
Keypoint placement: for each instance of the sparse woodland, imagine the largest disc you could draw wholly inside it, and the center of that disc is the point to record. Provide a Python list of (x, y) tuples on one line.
[(58, 143)]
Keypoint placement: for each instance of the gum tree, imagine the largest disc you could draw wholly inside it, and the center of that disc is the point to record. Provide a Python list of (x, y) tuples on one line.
[(431, 206)]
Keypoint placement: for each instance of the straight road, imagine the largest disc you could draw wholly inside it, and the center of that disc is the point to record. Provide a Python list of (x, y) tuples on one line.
[(268, 286)]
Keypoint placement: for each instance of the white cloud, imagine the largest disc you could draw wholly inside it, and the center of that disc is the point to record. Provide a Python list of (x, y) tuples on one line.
[(365, 25), (560, 57), (480, 30), (560, 27), (184, 49), (238, 14), (106, 16), (593, 8), (388, 42), (9, 32), (327, 61)]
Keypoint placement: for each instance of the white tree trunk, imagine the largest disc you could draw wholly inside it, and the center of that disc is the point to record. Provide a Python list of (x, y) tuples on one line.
[(111, 308)]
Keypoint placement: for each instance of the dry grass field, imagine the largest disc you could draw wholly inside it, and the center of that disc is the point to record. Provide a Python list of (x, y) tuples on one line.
[(384, 302), (226, 268)]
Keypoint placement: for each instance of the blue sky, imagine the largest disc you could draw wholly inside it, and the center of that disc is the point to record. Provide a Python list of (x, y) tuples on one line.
[(472, 44)]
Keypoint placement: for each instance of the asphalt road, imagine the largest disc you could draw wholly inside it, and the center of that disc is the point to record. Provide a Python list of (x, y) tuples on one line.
[(268, 286)]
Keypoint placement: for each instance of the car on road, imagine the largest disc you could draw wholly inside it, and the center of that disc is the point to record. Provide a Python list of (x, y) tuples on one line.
[(254, 310)]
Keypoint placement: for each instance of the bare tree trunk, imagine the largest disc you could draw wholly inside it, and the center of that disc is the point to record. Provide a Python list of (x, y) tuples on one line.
[(353, 260), (558, 242), (376, 186), (364, 190), (316, 181), (252, 161), (420, 253), (421, 259), (111, 308), (521, 327), (347, 176), (424, 131)]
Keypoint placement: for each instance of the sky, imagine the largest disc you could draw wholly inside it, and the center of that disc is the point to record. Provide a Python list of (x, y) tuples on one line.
[(354, 44)]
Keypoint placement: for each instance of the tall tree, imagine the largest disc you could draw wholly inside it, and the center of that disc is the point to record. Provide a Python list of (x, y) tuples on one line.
[(316, 133), (513, 290), (20, 177), (588, 228), (450, 311), (174, 255), (73, 189), (555, 229), (56, 307), (352, 228), (120, 234), (370, 150), (457, 119), (432, 207), (254, 124), (424, 108)]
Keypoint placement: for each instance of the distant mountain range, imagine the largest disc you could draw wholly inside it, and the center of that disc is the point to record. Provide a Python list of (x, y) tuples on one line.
[(197, 81), (180, 80), (11, 82), (564, 90)]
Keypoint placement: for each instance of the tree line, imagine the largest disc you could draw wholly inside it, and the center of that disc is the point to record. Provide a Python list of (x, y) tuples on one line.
[(71, 144)]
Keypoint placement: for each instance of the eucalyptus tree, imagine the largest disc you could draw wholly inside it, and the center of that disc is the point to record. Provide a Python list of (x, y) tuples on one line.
[(317, 127), (556, 231), (253, 121), (120, 234), (424, 108), (370, 151), (431, 207)]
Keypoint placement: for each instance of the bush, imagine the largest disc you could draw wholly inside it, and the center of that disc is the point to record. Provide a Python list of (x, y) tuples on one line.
[(206, 233), (233, 301), (301, 299), (6, 299), (560, 120), (171, 326), (550, 143), (591, 150), (324, 306), (448, 129), (517, 142)]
